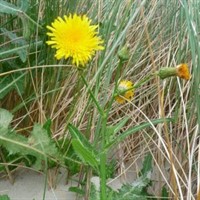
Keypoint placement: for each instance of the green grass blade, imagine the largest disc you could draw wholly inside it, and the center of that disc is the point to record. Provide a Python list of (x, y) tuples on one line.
[(135, 129)]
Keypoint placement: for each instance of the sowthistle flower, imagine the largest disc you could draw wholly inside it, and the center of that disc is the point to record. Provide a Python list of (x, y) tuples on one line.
[(125, 91), (181, 71), (74, 37)]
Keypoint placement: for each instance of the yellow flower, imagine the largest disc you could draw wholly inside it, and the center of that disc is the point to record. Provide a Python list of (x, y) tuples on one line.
[(125, 91), (182, 71), (74, 37)]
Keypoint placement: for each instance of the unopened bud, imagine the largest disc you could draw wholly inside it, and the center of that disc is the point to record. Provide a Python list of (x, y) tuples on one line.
[(123, 53), (166, 72)]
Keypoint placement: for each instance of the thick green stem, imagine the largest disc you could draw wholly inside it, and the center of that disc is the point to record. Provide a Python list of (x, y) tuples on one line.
[(103, 155), (103, 159), (103, 176)]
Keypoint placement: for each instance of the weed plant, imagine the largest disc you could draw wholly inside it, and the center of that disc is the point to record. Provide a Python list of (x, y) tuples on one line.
[(56, 114)]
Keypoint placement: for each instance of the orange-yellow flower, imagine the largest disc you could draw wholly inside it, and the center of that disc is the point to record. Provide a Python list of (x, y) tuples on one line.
[(182, 71), (125, 91), (74, 37)]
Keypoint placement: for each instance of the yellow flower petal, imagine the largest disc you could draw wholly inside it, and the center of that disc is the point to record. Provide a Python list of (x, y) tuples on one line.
[(74, 37), (125, 91), (183, 71)]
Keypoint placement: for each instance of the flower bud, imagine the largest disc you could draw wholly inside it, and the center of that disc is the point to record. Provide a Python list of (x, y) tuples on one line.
[(181, 71), (166, 72), (123, 53)]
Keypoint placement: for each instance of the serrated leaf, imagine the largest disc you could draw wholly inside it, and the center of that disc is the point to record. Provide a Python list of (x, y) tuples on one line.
[(141, 182), (85, 154), (5, 118), (135, 190), (39, 145), (14, 143), (40, 140), (138, 189)]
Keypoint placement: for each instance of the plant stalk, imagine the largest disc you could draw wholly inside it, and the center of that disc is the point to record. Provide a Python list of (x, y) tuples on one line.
[(103, 176)]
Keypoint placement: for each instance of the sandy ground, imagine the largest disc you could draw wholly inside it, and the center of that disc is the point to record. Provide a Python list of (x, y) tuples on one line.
[(30, 185)]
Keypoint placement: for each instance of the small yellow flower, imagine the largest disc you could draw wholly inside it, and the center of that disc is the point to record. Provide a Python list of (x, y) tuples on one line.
[(182, 71), (125, 91), (74, 37)]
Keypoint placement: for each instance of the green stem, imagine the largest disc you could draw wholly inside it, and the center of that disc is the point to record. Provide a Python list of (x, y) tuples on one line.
[(144, 80), (137, 85), (118, 70), (103, 176), (103, 156), (93, 97)]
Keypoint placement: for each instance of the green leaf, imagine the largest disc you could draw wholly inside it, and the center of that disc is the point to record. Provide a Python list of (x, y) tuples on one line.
[(112, 130), (5, 118), (22, 53), (135, 129), (38, 144), (10, 82), (85, 154), (71, 159), (77, 190), (147, 165), (14, 143), (41, 141), (47, 126), (119, 125), (24, 5), (142, 182), (165, 194), (8, 8), (4, 53), (138, 189), (76, 134), (94, 193), (4, 197)]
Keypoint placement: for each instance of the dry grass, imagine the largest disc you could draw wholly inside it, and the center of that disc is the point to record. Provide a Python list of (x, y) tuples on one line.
[(158, 35)]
